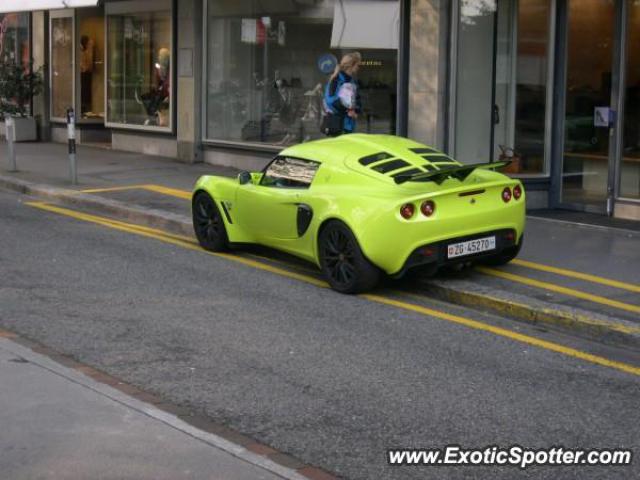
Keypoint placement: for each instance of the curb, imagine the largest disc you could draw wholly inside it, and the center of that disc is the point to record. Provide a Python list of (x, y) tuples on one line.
[(175, 416), (591, 325), (148, 217)]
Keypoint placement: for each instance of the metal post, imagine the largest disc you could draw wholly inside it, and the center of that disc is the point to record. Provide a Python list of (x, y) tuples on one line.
[(10, 132), (71, 134)]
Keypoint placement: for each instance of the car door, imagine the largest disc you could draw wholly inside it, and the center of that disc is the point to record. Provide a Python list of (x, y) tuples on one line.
[(270, 209)]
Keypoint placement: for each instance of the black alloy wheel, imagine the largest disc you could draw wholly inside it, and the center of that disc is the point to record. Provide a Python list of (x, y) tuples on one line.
[(343, 263), (208, 223)]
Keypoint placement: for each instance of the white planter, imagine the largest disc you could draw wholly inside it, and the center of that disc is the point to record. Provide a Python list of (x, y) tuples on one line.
[(26, 129)]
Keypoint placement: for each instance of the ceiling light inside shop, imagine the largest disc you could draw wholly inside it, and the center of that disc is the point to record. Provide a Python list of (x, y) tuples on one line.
[(7, 6)]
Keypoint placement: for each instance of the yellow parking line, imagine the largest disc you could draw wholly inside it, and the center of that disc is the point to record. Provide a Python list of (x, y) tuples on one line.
[(112, 189), (573, 274), (174, 192), (559, 289), (173, 239), (502, 332)]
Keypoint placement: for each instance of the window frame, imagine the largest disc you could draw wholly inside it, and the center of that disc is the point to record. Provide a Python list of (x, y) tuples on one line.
[(289, 157), (135, 7)]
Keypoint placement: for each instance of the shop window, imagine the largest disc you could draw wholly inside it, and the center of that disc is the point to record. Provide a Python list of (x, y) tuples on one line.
[(14, 41), (502, 84), (90, 62), (268, 64), (14, 38), (62, 64), (140, 65)]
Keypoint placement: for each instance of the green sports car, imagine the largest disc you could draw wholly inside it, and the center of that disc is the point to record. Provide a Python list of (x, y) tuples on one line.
[(362, 205)]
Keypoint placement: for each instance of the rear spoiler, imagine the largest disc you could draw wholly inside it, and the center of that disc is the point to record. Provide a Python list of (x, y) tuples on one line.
[(460, 172)]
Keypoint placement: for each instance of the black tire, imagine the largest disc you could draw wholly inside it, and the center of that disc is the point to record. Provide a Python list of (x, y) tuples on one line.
[(208, 224), (505, 256), (342, 261)]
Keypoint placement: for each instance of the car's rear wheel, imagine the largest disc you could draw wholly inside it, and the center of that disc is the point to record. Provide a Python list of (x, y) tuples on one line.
[(208, 223), (505, 256), (344, 265)]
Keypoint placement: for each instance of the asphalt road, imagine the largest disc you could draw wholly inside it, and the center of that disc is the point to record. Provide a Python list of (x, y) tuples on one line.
[(334, 380)]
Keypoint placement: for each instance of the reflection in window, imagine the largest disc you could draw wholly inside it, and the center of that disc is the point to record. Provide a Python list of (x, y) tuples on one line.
[(14, 41), (139, 69), (14, 38), (61, 66), (268, 62), (290, 172)]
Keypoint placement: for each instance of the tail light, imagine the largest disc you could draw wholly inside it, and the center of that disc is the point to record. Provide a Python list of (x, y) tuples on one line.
[(506, 194), (428, 208), (517, 192), (407, 211)]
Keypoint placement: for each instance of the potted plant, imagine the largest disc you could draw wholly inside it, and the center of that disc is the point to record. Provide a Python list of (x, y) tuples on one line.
[(19, 83)]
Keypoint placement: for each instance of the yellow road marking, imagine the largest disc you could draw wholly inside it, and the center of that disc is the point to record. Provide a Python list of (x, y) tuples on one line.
[(503, 332), (190, 244), (559, 289), (173, 239), (112, 189), (174, 192), (573, 274)]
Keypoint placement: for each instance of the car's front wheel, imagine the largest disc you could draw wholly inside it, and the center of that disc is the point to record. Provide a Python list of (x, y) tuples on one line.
[(344, 265), (208, 223)]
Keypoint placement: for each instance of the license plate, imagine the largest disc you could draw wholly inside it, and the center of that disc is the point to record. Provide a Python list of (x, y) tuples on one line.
[(472, 246)]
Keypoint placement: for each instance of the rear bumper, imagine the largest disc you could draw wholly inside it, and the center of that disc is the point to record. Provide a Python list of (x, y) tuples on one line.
[(435, 255)]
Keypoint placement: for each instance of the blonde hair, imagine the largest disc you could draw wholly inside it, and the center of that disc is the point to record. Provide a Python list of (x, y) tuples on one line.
[(348, 61)]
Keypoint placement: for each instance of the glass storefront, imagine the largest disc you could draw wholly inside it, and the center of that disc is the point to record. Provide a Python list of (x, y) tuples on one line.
[(14, 38), (90, 62), (15, 45), (62, 63), (503, 70), (267, 64), (140, 65), (630, 165)]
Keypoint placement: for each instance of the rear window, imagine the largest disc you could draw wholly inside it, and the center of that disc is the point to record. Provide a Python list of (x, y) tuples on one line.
[(287, 172)]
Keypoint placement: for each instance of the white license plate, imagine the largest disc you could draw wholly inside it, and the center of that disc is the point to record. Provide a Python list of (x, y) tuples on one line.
[(472, 246)]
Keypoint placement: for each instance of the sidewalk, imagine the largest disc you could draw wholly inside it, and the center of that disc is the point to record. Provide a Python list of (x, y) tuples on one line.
[(58, 424), (569, 275)]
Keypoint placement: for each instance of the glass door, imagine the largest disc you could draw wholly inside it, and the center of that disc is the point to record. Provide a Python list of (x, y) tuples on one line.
[(629, 174), (588, 117), (501, 77)]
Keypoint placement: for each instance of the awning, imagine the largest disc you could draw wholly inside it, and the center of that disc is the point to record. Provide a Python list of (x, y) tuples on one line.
[(7, 6)]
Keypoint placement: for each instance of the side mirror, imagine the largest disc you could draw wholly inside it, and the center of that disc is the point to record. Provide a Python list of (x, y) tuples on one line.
[(244, 178)]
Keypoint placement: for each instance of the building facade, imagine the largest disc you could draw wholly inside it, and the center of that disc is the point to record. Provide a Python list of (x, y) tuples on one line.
[(551, 84)]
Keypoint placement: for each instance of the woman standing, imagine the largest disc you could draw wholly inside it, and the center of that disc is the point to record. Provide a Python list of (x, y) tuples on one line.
[(341, 98)]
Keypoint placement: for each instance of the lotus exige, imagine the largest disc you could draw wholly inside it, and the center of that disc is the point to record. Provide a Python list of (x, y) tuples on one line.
[(361, 205)]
